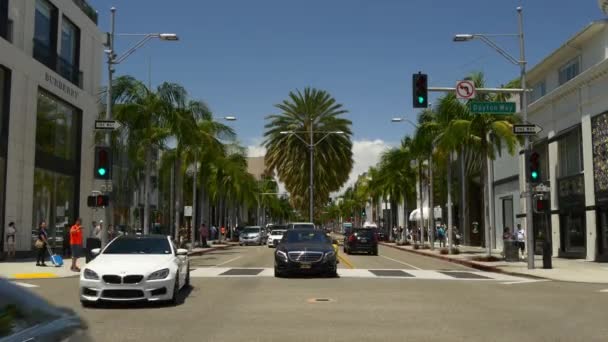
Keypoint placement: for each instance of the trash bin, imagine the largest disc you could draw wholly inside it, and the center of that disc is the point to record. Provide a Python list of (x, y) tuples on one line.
[(511, 250), (92, 243)]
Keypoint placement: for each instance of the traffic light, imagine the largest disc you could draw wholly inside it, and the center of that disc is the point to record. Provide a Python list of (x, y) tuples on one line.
[(98, 201), (541, 205), (363, 213), (534, 175), (420, 90), (103, 162)]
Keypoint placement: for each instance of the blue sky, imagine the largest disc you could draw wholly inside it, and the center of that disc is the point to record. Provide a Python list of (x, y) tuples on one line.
[(244, 56)]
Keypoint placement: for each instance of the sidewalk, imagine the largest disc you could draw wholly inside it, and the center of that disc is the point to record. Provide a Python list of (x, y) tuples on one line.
[(27, 269), (576, 270)]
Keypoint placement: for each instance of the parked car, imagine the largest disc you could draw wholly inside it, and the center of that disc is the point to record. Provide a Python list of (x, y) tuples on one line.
[(275, 237), (136, 267), (251, 235), (361, 240), (305, 251)]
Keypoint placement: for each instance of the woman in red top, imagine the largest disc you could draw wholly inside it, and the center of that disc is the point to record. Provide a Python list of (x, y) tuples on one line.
[(76, 244)]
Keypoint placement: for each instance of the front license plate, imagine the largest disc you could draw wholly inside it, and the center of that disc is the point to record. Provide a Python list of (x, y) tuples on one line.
[(363, 240), (306, 266)]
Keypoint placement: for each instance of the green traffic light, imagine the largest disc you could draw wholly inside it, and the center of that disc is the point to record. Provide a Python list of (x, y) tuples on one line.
[(534, 175), (101, 171), (420, 99)]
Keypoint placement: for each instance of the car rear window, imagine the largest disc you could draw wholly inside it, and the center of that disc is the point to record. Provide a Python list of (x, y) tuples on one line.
[(364, 233), (277, 232), (303, 226)]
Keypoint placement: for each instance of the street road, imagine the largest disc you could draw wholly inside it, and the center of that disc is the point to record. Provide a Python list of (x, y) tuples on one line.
[(425, 306)]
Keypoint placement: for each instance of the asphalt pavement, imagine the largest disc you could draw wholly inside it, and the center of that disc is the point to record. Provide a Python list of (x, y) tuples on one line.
[(348, 309)]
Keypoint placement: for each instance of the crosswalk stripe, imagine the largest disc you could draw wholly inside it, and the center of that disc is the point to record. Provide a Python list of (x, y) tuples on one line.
[(246, 272)]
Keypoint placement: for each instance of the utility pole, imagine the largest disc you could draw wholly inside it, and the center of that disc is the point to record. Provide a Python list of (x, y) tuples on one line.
[(193, 228), (311, 148), (431, 204)]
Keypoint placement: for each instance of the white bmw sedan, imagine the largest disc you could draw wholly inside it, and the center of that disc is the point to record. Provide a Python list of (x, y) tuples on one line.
[(133, 268)]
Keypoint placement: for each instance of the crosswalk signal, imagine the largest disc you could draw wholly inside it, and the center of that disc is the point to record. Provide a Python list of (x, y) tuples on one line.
[(541, 205), (534, 175), (420, 90), (103, 162), (98, 201)]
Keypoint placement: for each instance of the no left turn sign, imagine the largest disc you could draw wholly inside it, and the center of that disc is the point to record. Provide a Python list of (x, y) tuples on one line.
[(465, 90)]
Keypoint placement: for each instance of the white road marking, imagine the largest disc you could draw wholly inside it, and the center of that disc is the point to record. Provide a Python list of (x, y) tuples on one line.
[(229, 261), (401, 262), (527, 281), (604, 290), (25, 284)]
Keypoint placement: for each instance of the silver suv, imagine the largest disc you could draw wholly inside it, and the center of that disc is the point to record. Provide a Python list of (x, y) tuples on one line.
[(252, 235)]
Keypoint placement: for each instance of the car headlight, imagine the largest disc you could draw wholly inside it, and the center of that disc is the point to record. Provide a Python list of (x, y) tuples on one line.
[(90, 274), (160, 274), (282, 255), (330, 254)]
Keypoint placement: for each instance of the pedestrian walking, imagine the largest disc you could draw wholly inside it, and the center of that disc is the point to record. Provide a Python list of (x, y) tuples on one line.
[(521, 239), (11, 233), (204, 234), (41, 243), (97, 230), (223, 232), (76, 244), (213, 233), (441, 236), (111, 232)]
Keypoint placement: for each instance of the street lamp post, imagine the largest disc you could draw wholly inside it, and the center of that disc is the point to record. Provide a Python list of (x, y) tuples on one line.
[(521, 62), (113, 59), (311, 147)]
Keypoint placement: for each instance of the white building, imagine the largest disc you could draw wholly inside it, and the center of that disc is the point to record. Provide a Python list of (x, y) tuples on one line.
[(50, 71), (569, 103)]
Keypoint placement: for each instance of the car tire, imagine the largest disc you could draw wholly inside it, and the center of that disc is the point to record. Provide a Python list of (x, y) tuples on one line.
[(277, 273), (87, 304), (173, 300), (187, 281), (375, 252)]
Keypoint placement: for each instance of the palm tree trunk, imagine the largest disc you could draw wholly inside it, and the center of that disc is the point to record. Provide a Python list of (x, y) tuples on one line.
[(450, 229), (431, 204), (421, 202), (147, 186), (405, 216), (464, 208), (486, 200)]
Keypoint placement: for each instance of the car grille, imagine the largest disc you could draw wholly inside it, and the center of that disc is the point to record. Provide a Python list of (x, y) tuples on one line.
[(132, 279), (305, 256), (112, 279), (122, 294)]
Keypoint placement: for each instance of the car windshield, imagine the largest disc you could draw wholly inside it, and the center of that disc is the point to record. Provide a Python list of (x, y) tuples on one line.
[(251, 230), (277, 232), (139, 246), (304, 236)]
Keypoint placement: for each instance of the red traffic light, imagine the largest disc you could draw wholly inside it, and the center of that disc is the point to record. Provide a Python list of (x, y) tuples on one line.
[(97, 201), (542, 205)]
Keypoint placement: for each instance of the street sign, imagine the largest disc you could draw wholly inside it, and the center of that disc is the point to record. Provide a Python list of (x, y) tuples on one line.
[(526, 129), (108, 125), (188, 211), (505, 108), (465, 90), (542, 188)]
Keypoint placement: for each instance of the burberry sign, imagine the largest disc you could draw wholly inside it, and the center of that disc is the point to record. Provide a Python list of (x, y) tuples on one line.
[(61, 85)]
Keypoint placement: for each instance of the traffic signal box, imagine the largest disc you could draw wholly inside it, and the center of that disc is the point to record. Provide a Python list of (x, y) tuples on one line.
[(420, 90)]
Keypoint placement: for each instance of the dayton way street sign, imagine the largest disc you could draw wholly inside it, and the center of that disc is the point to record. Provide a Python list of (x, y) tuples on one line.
[(526, 129), (108, 125), (492, 107)]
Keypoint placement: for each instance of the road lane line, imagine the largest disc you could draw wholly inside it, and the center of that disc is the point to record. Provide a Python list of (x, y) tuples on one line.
[(346, 261), (604, 290), (401, 262), (229, 261), (529, 281), (25, 284)]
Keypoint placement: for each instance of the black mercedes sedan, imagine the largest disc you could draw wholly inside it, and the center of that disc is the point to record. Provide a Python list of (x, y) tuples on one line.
[(305, 251)]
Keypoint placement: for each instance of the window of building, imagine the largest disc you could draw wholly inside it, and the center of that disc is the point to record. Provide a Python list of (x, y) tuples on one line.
[(69, 54), (507, 214), (539, 90), (56, 128), (569, 70), (570, 153), (5, 78), (45, 32), (4, 22)]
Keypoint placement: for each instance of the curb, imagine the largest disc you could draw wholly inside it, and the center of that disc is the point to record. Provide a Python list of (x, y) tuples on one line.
[(464, 262)]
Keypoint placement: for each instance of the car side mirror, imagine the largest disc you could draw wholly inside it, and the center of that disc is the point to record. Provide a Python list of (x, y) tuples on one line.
[(181, 251), (95, 251)]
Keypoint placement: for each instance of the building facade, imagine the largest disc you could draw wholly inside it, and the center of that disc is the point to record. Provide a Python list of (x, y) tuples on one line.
[(569, 103), (50, 71)]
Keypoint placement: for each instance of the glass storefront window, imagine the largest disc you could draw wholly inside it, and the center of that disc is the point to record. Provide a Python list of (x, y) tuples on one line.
[(54, 203), (69, 34), (570, 153), (56, 131), (574, 229)]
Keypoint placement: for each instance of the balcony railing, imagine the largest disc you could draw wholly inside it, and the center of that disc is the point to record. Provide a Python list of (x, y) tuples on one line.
[(45, 55), (87, 9)]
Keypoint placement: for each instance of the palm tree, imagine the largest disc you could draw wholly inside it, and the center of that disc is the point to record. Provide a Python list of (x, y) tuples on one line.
[(312, 110), (484, 134)]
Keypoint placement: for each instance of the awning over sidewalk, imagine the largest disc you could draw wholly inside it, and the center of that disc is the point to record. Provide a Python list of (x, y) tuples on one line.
[(415, 214)]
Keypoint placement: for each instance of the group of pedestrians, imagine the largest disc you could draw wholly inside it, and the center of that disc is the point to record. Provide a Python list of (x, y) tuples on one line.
[(213, 233), (441, 234), (75, 239), (519, 237)]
